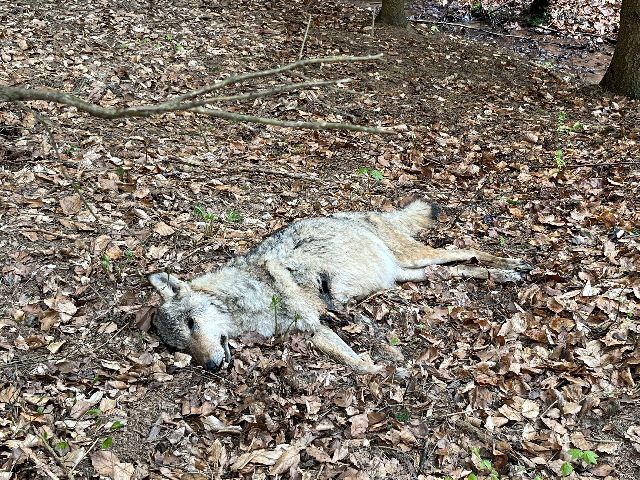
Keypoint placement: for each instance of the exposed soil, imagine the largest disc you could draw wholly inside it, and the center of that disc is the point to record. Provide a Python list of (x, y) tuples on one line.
[(525, 159)]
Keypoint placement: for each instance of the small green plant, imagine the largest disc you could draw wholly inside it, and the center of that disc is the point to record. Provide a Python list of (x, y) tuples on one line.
[(231, 216), (536, 20), (371, 173), (393, 341), (484, 466), (71, 149), (203, 214), (476, 7), (562, 126), (587, 456), (403, 415), (565, 469), (62, 448), (434, 29), (94, 412), (503, 241), (105, 261), (173, 42), (117, 425), (296, 318), (129, 254), (276, 302), (206, 216), (106, 443), (559, 157), (562, 118)]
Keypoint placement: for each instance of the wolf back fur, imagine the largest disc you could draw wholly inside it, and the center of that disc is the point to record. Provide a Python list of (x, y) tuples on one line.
[(305, 270)]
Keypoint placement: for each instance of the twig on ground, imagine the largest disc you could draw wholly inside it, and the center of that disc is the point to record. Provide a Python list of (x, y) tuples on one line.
[(80, 458), (39, 463), (304, 40), (271, 72)]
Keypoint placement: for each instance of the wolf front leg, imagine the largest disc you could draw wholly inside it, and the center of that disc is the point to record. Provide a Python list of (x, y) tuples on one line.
[(328, 341), (310, 307)]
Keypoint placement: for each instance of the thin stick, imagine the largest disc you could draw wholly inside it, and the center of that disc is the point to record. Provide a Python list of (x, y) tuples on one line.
[(373, 20), (39, 463), (304, 40), (82, 457), (274, 71)]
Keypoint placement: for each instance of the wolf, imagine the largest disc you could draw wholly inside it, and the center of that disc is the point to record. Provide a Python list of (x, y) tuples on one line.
[(303, 273)]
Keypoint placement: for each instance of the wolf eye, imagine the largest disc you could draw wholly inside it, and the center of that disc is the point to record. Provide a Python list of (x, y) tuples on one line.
[(190, 324)]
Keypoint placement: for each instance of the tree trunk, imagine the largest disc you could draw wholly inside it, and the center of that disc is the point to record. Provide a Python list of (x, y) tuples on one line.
[(392, 13), (623, 74)]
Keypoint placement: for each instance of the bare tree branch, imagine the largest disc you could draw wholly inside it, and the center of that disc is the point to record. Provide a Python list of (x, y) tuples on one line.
[(203, 106), (273, 71)]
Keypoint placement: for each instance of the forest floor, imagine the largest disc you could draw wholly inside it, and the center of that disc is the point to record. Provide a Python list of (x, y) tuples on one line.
[(525, 159)]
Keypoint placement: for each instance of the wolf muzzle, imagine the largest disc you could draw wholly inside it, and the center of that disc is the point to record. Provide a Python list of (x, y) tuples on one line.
[(213, 365)]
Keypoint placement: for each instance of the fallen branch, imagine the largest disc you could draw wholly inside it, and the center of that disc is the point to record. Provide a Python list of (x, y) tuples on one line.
[(189, 102)]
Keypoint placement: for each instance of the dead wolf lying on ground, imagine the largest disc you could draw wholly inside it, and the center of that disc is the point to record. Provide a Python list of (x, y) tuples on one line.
[(309, 268)]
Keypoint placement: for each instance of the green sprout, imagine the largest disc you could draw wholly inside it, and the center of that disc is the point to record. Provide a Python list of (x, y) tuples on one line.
[(559, 157)]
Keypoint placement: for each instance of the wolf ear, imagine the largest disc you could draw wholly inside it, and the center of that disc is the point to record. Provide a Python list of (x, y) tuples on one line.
[(168, 286)]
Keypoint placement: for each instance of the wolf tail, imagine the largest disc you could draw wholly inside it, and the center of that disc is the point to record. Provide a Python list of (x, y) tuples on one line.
[(418, 215)]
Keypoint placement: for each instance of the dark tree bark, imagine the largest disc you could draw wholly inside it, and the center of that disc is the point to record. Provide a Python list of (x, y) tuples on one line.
[(623, 74), (392, 13)]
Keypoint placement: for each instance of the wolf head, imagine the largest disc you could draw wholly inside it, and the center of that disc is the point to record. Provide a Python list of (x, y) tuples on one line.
[(190, 320)]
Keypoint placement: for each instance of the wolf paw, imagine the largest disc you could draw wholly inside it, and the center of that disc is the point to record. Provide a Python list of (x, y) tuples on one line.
[(517, 264), (368, 367)]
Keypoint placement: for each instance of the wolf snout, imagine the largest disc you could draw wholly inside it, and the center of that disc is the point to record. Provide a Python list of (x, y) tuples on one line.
[(214, 360)]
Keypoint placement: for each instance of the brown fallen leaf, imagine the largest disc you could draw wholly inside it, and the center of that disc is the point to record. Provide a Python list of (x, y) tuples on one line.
[(71, 205), (107, 463), (163, 229)]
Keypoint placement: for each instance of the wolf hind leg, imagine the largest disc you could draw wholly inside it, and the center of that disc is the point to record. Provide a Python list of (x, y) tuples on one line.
[(413, 254), (498, 275)]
